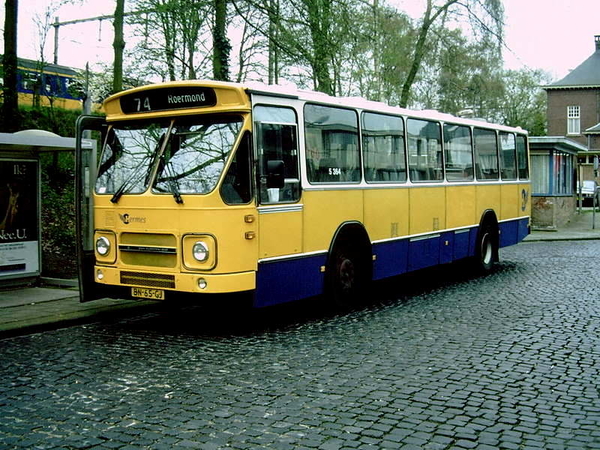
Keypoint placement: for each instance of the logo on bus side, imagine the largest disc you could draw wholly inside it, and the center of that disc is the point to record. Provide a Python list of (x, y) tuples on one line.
[(127, 219), (524, 199)]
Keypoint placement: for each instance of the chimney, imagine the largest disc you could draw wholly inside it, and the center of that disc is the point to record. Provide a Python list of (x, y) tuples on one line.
[(597, 39)]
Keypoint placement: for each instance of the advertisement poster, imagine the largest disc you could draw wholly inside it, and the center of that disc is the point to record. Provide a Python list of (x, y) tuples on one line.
[(19, 228)]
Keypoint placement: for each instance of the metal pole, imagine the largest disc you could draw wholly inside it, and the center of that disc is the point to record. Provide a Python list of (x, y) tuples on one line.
[(594, 203), (56, 25), (578, 187)]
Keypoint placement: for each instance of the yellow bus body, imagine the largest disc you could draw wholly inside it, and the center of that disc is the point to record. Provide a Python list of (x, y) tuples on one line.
[(281, 250)]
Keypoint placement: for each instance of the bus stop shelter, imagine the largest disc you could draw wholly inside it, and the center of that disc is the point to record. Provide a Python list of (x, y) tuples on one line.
[(20, 202), (553, 180)]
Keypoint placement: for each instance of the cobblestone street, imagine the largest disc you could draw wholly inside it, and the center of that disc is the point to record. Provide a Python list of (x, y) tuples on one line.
[(436, 360)]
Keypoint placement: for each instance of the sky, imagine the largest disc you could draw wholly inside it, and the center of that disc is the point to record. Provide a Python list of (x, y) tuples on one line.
[(552, 35)]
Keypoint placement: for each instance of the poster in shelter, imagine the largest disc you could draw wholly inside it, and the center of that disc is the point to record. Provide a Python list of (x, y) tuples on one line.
[(19, 221)]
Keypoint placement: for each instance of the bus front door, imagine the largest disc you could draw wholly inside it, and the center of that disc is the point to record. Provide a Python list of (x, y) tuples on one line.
[(280, 214), (90, 135), (280, 211)]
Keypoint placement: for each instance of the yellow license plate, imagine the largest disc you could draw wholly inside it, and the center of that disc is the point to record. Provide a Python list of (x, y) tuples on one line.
[(151, 294)]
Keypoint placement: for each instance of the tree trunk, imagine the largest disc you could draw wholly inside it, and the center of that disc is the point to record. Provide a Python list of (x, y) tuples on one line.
[(221, 45), (11, 99), (318, 17), (118, 46), (274, 24), (420, 47), (376, 52)]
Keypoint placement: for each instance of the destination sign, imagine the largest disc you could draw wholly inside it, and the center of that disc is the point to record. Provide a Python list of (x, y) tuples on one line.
[(164, 99)]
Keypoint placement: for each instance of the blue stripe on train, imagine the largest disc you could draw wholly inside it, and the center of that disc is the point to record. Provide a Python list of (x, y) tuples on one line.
[(282, 281)]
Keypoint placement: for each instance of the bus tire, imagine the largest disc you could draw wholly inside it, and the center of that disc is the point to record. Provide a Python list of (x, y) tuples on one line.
[(486, 252), (348, 270)]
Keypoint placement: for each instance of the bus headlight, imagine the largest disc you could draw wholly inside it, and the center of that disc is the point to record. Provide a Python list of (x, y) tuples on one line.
[(102, 246), (200, 251)]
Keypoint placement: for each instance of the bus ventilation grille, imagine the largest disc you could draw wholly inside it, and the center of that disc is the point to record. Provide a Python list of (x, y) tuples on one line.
[(154, 280)]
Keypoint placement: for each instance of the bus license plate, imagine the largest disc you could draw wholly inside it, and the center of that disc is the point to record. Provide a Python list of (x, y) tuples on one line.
[(151, 294)]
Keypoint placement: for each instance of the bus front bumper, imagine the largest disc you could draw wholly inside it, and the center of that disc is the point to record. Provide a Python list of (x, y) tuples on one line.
[(179, 282)]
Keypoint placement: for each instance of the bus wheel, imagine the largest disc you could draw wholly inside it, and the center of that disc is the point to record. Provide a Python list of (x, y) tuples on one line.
[(347, 275), (486, 249)]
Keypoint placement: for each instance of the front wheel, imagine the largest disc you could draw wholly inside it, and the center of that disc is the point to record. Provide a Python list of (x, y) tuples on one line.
[(347, 275)]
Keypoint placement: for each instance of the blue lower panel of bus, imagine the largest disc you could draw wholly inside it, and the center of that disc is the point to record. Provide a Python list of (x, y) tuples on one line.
[(282, 281), (392, 259), (404, 255), (513, 232), (288, 280), (462, 247)]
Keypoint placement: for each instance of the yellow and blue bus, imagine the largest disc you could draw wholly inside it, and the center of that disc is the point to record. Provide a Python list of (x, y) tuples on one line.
[(207, 187)]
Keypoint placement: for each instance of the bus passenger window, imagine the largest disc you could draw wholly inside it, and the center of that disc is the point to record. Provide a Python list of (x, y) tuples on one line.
[(424, 150), (331, 145), (522, 161), (458, 147), (507, 156), (383, 148), (486, 154)]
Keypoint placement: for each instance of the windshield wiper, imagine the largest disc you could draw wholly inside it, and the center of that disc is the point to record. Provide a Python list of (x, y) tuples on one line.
[(175, 191), (128, 182), (172, 147), (171, 183)]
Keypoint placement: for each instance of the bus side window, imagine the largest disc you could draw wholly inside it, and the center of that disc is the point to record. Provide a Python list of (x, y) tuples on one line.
[(383, 148), (486, 154), (522, 160), (331, 144), (425, 150), (459, 152), (236, 185), (277, 140), (507, 156)]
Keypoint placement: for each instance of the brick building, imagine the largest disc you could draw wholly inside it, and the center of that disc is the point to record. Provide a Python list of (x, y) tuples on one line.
[(566, 155), (574, 109)]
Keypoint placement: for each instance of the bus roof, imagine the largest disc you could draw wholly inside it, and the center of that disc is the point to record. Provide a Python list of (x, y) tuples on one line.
[(242, 92)]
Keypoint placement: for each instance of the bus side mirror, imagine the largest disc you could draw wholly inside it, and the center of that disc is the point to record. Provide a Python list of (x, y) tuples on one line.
[(275, 174)]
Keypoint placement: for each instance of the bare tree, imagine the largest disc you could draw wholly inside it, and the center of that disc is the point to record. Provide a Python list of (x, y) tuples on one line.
[(118, 46), (11, 105), (306, 33), (485, 15), (172, 34), (273, 12), (221, 45)]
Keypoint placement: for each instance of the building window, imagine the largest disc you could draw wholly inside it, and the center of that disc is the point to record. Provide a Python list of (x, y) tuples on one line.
[(573, 120), (553, 174), (541, 181), (563, 174)]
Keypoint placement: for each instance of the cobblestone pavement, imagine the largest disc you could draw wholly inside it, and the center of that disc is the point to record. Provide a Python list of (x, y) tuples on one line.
[(437, 360)]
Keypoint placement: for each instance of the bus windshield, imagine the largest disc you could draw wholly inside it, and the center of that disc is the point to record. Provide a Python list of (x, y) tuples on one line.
[(195, 155), (190, 155)]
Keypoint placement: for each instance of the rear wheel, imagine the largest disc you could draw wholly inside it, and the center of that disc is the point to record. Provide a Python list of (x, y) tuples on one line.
[(487, 248)]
